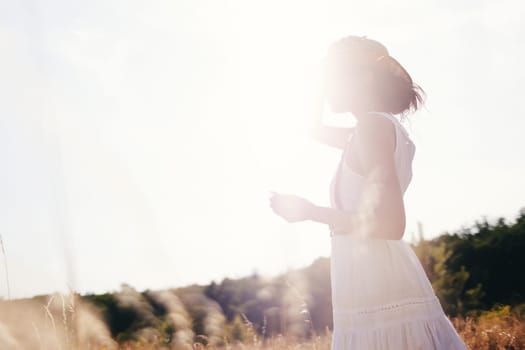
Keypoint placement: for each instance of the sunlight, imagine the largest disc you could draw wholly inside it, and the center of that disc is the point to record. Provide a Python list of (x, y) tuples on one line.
[(267, 138), (276, 92)]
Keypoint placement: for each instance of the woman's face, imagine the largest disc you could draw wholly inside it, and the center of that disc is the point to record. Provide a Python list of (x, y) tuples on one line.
[(347, 86)]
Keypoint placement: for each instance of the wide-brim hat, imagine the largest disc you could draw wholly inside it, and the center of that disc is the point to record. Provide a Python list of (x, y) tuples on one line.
[(366, 51)]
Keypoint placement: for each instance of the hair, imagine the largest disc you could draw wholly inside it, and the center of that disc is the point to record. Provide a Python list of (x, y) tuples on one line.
[(395, 87), (396, 91)]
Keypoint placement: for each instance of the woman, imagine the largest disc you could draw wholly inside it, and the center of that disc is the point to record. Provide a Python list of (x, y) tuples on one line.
[(381, 296)]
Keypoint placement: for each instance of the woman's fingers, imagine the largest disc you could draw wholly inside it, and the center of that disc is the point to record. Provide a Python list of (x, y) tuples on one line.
[(290, 207), (278, 206)]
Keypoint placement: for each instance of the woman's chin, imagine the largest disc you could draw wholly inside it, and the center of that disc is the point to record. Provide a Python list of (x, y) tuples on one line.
[(339, 109)]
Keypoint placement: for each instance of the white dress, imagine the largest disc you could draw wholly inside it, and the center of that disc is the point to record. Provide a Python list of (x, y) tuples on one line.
[(381, 295)]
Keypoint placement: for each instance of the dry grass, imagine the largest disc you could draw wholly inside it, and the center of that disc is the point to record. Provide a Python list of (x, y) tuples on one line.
[(67, 323), (278, 342), (495, 330), (492, 331)]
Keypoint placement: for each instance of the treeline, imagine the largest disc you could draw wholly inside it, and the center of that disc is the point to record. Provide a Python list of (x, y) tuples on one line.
[(472, 270), (479, 267), (297, 303)]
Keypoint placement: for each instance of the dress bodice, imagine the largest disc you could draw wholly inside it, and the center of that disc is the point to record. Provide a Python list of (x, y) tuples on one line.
[(346, 185)]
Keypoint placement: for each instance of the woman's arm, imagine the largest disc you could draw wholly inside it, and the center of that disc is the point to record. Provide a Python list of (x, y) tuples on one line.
[(329, 135), (381, 211)]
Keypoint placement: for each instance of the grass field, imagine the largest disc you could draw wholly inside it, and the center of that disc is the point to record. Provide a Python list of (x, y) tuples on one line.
[(63, 325), (494, 331)]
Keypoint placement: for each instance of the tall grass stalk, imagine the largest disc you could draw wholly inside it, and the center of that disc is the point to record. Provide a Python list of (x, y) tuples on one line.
[(6, 269)]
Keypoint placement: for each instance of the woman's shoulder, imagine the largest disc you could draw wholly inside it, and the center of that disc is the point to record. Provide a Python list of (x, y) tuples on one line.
[(380, 119), (376, 141), (397, 122)]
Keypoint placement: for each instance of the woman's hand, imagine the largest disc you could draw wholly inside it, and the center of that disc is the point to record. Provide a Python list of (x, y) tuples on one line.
[(291, 207)]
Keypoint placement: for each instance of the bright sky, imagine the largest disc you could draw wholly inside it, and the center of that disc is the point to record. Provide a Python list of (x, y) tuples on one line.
[(140, 139)]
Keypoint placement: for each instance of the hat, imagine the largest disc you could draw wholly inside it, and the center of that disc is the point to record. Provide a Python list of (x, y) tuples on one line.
[(368, 50), (360, 45)]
